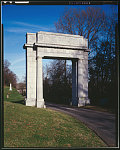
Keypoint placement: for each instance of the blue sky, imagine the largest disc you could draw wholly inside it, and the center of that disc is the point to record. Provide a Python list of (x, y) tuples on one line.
[(18, 20)]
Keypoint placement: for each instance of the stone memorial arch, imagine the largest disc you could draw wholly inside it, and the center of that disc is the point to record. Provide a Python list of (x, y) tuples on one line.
[(56, 45)]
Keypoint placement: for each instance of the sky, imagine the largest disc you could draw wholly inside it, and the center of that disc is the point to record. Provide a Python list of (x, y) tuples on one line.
[(20, 19)]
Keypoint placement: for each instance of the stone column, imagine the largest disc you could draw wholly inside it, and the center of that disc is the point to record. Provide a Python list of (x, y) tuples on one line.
[(30, 71), (74, 83), (85, 77), (40, 100), (81, 96)]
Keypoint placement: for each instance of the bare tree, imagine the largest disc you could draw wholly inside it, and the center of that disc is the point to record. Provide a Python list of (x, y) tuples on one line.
[(9, 76), (88, 23), (57, 84)]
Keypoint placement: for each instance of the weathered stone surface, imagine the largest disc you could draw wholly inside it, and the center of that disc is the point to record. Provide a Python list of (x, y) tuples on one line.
[(59, 39), (56, 45), (30, 38), (40, 103), (30, 102)]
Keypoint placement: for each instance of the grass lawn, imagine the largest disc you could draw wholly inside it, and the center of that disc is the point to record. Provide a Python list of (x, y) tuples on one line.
[(36, 127), (13, 96)]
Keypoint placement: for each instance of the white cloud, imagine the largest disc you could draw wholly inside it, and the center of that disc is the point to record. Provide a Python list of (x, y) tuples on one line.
[(18, 30), (32, 25), (27, 27), (16, 68), (18, 60)]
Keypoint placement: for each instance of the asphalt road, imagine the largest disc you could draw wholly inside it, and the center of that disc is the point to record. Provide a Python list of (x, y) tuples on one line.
[(102, 123)]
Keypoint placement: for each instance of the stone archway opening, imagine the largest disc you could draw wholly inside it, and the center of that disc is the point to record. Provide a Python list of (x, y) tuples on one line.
[(57, 81), (55, 45)]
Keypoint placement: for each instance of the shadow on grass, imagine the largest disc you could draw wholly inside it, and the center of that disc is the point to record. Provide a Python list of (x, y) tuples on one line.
[(19, 102)]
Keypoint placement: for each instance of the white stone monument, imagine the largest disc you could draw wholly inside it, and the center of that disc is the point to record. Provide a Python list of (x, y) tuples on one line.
[(49, 45), (10, 87)]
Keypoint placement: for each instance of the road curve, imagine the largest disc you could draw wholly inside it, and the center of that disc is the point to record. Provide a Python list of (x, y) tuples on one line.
[(102, 123)]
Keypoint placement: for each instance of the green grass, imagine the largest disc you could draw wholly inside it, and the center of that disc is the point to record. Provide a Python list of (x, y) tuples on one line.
[(13, 96), (34, 127)]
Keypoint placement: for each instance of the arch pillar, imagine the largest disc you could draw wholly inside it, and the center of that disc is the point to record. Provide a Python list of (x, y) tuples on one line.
[(30, 77), (39, 82), (81, 101), (83, 82)]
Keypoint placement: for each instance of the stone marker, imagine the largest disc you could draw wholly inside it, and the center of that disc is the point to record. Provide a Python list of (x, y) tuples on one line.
[(10, 87)]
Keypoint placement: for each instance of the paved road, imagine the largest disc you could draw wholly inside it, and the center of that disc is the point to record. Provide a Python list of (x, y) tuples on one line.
[(101, 122)]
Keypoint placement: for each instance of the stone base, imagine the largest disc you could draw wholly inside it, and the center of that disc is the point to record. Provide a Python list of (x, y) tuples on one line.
[(30, 102), (83, 101), (41, 103), (87, 101)]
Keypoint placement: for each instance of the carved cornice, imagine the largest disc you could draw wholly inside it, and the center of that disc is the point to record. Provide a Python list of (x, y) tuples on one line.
[(56, 46), (60, 46)]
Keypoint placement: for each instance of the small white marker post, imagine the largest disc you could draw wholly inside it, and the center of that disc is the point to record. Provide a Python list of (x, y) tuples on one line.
[(10, 87)]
